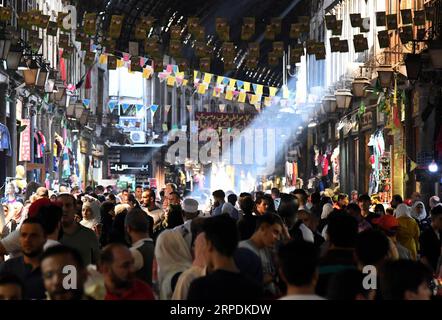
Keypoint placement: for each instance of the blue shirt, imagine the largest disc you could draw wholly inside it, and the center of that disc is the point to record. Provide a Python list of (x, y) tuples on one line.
[(5, 140)]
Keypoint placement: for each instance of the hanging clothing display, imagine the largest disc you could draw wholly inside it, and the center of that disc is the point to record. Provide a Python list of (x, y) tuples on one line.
[(380, 176), (335, 166), (5, 140)]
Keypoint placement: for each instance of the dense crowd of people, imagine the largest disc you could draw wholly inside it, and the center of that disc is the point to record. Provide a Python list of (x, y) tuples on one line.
[(144, 245)]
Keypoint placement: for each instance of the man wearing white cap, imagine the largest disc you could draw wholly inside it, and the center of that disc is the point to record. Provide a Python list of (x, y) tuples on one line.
[(434, 201), (190, 211)]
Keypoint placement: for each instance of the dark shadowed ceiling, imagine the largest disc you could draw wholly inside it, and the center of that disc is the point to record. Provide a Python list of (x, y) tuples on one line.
[(172, 12)]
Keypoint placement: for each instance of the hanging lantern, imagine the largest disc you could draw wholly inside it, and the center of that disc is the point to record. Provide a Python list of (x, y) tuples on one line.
[(30, 74), (79, 108), (42, 76), (435, 50), (5, 45), (413, 65), (343, 98), (329, 103), (385, 75), (359, 86), (14, 57)]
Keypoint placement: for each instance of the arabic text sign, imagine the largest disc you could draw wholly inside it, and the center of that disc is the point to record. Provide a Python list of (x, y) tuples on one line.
[(25, 141), (126, 168)]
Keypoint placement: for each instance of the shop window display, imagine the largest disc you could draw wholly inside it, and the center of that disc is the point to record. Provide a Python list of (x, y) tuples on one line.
[(380, 160)]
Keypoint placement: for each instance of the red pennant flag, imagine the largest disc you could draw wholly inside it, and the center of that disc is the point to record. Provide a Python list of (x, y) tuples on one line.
[(62, 65), (88, 84)]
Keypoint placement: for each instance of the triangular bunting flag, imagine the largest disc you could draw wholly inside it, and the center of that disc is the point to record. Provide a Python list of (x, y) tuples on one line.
[(171, 81), (195, 75), (179, 81), (139, 107), (142, 62), (232, 83), (126, 57), (235, 93), (226, 81), (247, 86), (267, 101), (189, 108), (239, 84), (167, 108), (147, 72), (120, 63), (175, 69), (207, 78), (413, 165), (86, 102), (163, 76), (185, 81), (242, 98), (125, 106), (222, 107), (169, 68), (202, 88), (154, 108), (255, 86), (216, 93), (259, 89), (253, 99), (165, 128), (102, 59), (112, 105), (229, 94), (272, 91), (219, 79)]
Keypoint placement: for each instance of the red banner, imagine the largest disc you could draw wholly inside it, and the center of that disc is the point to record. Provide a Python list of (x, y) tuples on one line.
[(25, 141)]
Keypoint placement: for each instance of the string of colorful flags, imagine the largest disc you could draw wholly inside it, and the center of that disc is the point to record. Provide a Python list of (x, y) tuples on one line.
[(222, 87)]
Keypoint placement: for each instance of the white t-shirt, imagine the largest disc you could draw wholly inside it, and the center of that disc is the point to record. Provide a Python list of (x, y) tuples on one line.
[(307, 234)]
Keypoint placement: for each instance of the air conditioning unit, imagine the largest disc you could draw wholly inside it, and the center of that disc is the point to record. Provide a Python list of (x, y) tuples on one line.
[(138, 136)]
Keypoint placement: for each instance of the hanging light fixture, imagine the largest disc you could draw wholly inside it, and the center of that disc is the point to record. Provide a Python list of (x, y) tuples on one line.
[(79, 108), (359, 85), (30, 74), (42, 75), (385, 75), (435, 51), (5, 45), (329, 103), (413, 65), (433, 167), (50, 84), (14, 57), (343, 98)]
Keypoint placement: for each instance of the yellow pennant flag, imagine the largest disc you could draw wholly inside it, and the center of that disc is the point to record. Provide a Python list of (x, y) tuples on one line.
[(216, 93), (232, 83), (273, 91), (102, 59), (247, 86), (147, 72), (120, 63), (229, 95), (207, 77), (180, 75), (259, 89), (242, 97), (185, 81), (195, 74), (202, 88), (267, 101), (171, 81), (413, 165), (253, 99), (219, 79)]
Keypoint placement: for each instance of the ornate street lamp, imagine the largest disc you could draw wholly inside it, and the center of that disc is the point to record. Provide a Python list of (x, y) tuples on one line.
[(359, 85), (385, 75), (413, 65), (329, 103), (343, 98), (30, 74)]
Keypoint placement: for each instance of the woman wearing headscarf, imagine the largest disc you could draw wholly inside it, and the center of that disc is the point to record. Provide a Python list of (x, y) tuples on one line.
[(91, 214), (408, 231), (173, 257), (418, 211)]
